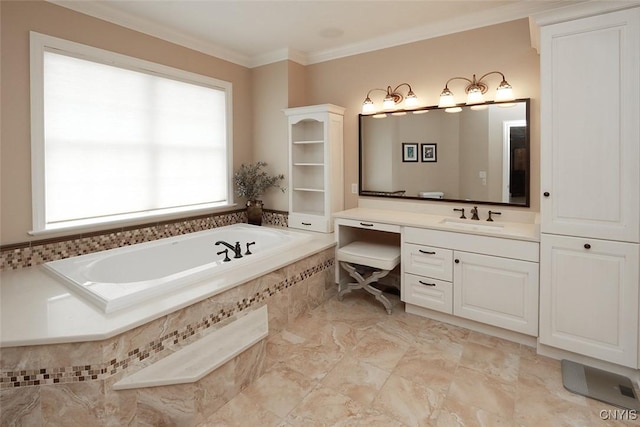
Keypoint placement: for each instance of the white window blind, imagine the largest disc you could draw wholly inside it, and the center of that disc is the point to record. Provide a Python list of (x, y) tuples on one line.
[(122, 142)]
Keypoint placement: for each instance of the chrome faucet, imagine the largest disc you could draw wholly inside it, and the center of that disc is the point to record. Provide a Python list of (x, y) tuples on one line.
[(236, 249), (474, 213)]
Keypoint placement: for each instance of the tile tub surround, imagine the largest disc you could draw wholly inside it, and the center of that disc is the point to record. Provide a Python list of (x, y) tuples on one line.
[(28, 254), (71, 383)]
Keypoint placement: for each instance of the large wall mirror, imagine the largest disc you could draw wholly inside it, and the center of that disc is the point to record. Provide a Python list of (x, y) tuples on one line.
[(479, 154)]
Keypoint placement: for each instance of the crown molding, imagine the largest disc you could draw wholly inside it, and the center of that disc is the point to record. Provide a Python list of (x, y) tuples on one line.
[(509, 12), (106, 13), (277, 56)]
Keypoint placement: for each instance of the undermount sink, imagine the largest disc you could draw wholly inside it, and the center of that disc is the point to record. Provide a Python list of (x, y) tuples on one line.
[(468, 224)]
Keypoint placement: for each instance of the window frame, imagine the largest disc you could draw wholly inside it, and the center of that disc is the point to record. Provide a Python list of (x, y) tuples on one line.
[(39, 43)]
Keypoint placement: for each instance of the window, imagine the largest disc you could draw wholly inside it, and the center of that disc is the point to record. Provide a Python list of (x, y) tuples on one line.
[(116, 138)]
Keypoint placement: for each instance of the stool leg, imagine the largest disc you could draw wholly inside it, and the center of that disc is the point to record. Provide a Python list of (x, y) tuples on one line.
[(362, 283)]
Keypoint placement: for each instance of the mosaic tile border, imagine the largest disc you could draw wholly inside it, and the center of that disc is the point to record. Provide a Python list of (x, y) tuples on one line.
[(28, 254), (61, 375)]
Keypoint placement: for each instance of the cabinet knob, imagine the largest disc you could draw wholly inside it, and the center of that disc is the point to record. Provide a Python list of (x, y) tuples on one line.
[(587, 246), (546, 194), (457, 261)]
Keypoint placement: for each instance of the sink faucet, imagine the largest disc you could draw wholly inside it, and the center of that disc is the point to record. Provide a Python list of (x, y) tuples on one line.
[(236, 249), (474, 213)]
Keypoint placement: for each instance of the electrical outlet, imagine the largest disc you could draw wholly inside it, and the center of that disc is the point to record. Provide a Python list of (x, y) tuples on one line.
[(354, 188)]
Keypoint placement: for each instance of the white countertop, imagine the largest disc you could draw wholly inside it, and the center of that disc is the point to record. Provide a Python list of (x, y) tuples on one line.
[(497, 228), (35, 308)]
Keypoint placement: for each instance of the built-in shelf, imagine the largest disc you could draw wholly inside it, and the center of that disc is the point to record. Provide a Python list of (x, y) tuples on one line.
[(315, 190), (315, 166), (193, 362)]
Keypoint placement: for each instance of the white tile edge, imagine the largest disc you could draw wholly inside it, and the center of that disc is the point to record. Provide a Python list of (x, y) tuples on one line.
[(194, 361)]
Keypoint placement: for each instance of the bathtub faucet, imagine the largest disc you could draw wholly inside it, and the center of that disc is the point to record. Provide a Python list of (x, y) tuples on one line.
[(236, 249)]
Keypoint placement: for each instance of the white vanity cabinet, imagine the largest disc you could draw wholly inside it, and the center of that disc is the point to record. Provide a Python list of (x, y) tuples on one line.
[(315, 166), (589, 297), (486, 279), (590, 175)]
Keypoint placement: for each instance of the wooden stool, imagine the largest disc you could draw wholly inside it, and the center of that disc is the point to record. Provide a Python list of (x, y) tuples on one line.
[(375, 260)]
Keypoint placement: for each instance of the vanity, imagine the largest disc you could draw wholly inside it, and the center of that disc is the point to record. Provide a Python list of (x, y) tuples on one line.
[(474, 273)]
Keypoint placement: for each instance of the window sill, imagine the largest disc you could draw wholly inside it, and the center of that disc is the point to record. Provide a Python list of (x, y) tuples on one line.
[(127, 220)]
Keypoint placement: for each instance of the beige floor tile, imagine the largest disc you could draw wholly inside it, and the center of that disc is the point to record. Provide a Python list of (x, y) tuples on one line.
[(325, 407), (494, 361), (483, 391), (280, 389), (411, 403), (242, 412), (431, 366), (456, 414), (356, 379), (380, 349), (494, 342), (307, 356), (349, 363)]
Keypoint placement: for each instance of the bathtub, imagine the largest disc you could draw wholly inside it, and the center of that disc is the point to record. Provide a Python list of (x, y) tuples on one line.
[(118, 278)]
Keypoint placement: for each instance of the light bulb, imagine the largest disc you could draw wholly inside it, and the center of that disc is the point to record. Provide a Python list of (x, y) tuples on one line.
[(368, 107), (411, 100), (475, 96), (446, 98), (504, 92)]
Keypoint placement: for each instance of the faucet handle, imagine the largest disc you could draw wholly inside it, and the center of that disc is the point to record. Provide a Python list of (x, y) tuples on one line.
[(460, 210), (248, 251), (494, 213), (226, 255)]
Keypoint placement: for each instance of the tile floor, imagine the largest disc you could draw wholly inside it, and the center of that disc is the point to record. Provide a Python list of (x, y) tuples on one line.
[(348, 363)]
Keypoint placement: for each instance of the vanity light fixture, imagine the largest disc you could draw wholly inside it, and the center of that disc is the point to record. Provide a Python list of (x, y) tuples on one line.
[(392, 98), (475, 93)]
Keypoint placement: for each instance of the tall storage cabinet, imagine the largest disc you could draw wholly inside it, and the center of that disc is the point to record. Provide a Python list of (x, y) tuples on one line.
[(590, 162), (315, 166)]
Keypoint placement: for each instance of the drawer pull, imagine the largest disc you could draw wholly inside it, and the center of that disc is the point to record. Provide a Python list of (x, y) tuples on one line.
[(426, 284), (306, 223), (365, 224), (426, 252), (587, 246)]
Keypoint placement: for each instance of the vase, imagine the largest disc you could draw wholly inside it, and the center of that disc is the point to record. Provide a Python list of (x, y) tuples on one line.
[(254, 212)]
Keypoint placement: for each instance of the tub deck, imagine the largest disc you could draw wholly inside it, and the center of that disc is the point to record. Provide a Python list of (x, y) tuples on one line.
[(37, 309)]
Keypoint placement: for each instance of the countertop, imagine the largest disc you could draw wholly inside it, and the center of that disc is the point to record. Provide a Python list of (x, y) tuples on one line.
[(497, 228)]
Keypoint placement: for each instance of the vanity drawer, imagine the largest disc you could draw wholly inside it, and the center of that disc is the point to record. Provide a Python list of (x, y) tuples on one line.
[(310, 222), (428, 293), (370, 225), (428, 261)]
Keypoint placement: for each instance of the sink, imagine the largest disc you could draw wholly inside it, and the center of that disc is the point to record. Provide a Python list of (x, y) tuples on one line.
[(472, 225)]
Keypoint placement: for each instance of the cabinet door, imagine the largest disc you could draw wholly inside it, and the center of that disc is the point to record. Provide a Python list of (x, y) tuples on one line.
[(498, 291), (589, 297), (590, 97)]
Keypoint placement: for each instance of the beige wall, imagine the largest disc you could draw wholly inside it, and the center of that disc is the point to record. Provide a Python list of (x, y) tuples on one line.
[(427, 65), (270, 132), (20, 17), (259, 95)]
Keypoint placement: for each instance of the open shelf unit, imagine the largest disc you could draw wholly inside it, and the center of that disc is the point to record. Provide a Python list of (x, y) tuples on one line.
[(315, 166)]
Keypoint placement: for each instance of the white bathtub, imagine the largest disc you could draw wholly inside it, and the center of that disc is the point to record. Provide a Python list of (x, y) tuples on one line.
[(118, 278)]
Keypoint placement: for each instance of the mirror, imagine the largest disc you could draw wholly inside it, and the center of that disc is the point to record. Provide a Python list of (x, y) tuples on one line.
[(478, 155)]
